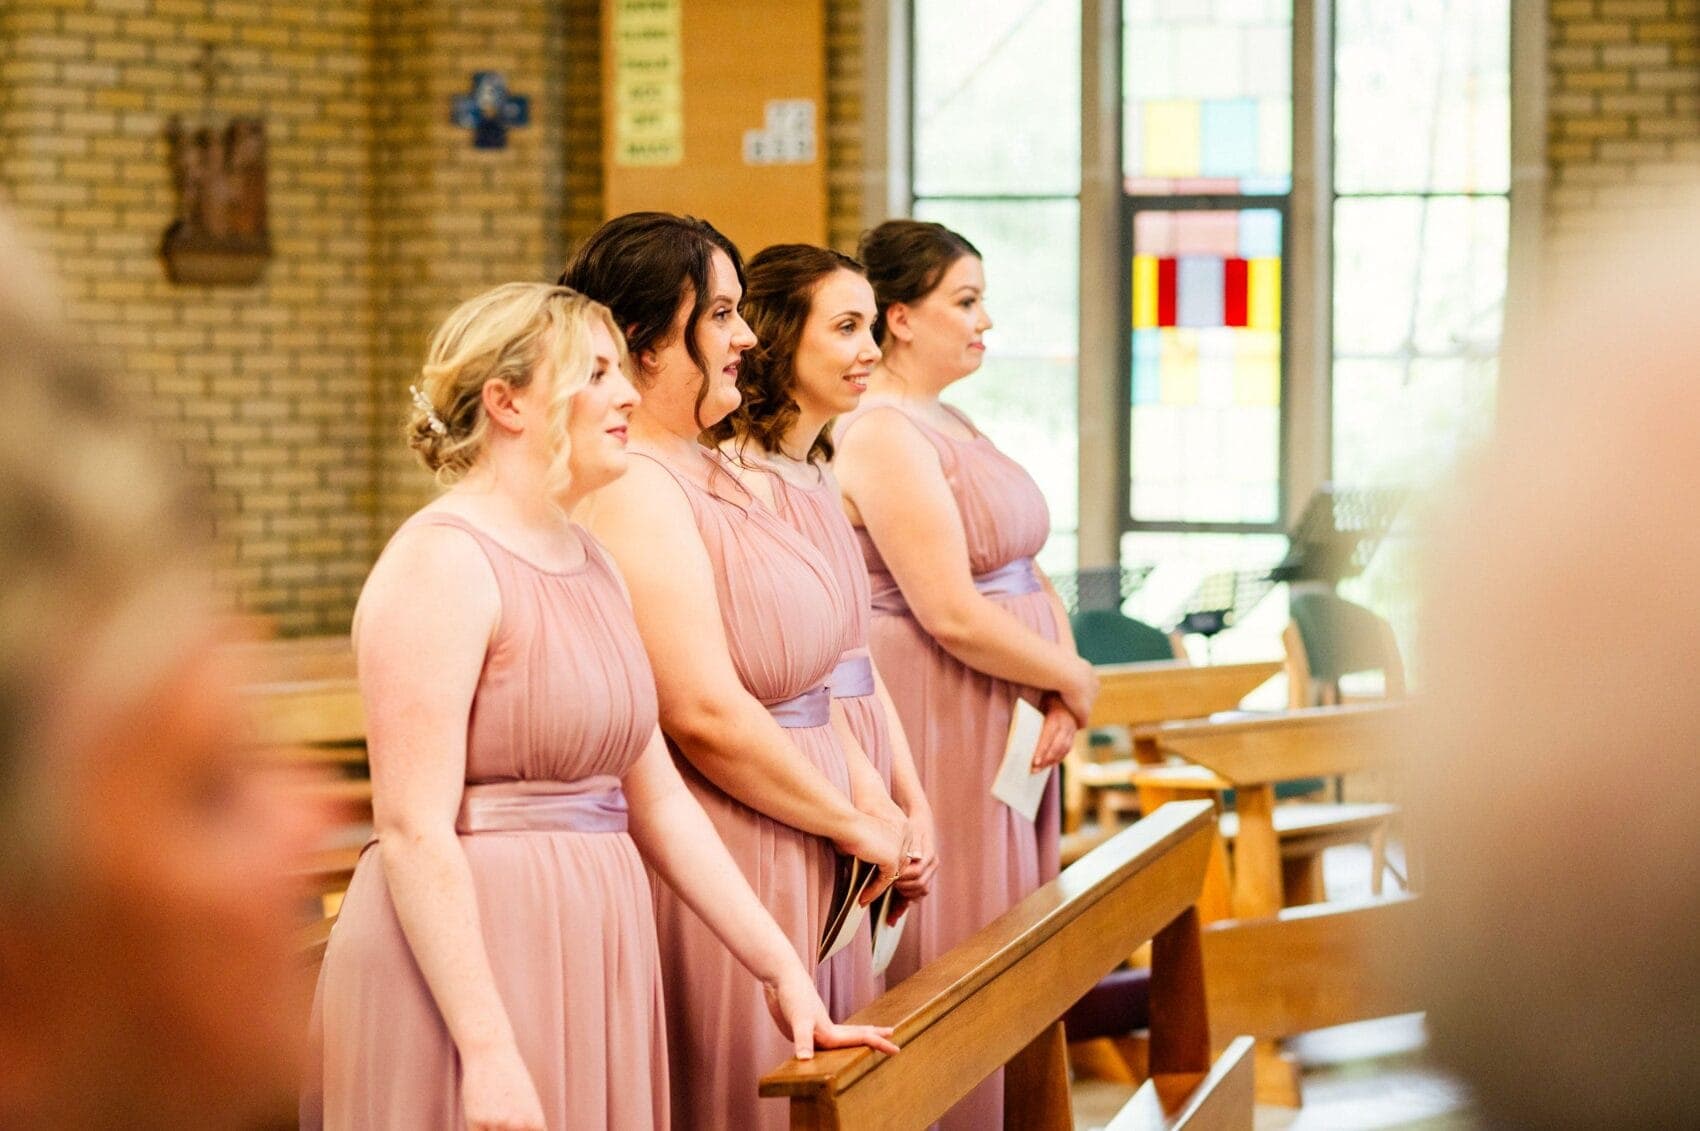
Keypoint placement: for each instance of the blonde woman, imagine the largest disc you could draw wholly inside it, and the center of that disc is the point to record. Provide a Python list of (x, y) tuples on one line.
[(495, 964)]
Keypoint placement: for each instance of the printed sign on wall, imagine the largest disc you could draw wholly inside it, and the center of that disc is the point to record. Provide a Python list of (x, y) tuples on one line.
[(648, 63), (787, 136)]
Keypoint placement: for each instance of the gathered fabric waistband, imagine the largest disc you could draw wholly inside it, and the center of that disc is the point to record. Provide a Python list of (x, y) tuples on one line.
[(542, 806), (1012, 579), (813, 708), (853, 677)]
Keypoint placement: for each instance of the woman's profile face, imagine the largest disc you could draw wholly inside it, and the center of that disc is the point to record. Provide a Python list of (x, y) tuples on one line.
[(947, 326), (722, 336), (836, 350), (601, 409)]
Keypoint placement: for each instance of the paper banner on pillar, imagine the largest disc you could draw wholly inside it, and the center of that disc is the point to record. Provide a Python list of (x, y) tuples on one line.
[(649, 99)]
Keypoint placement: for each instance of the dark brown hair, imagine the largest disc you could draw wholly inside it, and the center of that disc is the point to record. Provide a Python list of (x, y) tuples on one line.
[(905, 261), (780, 291), (642, 266)]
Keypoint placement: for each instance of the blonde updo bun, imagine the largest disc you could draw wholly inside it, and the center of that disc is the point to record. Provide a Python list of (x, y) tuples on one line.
[(500, 335)]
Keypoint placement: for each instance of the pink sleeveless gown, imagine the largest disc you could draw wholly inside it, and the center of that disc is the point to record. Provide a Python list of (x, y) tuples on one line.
[(957, 720), (564, 707), (786, 623), (817, 513)]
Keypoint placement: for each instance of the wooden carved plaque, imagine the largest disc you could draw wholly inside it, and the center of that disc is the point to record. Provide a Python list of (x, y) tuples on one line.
[(219, 235)]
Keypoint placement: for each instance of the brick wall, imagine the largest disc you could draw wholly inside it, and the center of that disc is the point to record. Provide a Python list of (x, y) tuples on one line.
[(454, 220), (289, 394), (1623, 123), (267, 388), (844, 79)]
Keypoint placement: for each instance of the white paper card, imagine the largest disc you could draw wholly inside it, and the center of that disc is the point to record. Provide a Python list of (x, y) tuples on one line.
[(1016, 785), (887, 935)]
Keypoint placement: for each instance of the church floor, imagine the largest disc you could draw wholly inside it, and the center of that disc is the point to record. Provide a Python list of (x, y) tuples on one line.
[(1372, 1076), (1366, 1077)]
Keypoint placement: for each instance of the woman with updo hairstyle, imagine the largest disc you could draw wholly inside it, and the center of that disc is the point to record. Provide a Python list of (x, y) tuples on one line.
[(813, 312), (495, 964), (964, 622), (147, 973), (744, 621)]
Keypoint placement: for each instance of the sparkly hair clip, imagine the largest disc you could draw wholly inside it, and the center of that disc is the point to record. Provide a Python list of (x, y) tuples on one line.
[(423, 404)]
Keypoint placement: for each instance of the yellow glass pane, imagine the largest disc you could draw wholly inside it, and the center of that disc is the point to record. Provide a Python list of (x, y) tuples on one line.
[(1263, 294), (1144, 292), (1178, 363), (1257, 371), (1170, 135)]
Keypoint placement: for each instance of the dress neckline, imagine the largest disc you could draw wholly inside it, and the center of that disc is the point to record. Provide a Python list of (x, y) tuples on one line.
[(478, 531)]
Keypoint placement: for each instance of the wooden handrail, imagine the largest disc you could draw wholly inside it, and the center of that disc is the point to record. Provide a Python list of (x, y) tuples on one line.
[(998, 995)]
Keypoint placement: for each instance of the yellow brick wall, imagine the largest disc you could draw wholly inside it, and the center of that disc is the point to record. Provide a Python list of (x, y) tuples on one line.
[(844, 78), (1623, 101), (267, 388), (289, 394), (454, 220)]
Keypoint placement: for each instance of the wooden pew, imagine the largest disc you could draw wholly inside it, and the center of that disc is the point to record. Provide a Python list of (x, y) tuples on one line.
[(1279, 971), (995, 1000), (1135, 695), (309, 714)]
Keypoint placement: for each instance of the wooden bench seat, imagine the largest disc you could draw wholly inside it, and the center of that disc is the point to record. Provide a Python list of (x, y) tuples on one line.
[(995, 1001)]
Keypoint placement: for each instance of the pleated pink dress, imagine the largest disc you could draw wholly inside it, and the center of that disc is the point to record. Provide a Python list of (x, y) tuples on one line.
[(957, 718), (786, 623), (563, 708), (817, 513)]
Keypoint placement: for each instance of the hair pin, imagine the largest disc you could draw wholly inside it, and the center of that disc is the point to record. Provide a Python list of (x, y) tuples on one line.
[(423, 404)]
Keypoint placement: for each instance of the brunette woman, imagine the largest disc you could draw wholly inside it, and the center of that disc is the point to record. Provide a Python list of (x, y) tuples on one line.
[(743, 621), (964, 623), (495, 963), (813, 311)]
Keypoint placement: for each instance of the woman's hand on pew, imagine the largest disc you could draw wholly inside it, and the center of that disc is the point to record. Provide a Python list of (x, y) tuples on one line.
[(800, 1014), (1056, 734), (497, 1093), (916, 879)]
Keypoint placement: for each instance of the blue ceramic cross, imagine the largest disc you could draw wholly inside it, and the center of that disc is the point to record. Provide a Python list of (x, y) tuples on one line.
[(488, 110)]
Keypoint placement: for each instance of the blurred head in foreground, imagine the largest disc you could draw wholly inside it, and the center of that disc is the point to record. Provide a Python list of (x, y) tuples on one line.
[(1559, 791), (145, 963)]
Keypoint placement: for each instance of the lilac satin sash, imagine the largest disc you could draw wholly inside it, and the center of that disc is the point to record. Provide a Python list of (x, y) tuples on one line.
[(543, 807), (813, 708), (1012, 579), (852, 678)]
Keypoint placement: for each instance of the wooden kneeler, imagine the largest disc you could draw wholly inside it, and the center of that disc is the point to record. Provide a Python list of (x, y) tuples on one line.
[(996, 1000)]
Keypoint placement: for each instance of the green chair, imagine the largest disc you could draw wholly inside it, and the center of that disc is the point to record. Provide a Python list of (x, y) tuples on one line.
[(1330, 638), (1105, 636)]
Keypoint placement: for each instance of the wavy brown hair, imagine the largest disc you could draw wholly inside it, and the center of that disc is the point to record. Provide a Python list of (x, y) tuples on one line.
[(779, 291), (643, 266)]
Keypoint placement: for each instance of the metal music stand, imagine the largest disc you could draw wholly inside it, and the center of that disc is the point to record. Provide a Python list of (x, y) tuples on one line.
[(1338, 534)]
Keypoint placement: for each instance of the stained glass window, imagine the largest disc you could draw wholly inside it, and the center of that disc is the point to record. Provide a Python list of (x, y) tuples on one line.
[(1207, 96), (1206, 366)]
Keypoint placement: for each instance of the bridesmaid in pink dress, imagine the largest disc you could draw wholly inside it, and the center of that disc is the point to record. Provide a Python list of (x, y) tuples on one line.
[(813, 311), (495, 963), (964, 623), (743, 621)]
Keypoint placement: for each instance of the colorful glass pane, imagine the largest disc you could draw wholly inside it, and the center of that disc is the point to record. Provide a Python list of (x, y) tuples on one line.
[(1207, 96), (1206, 365)]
